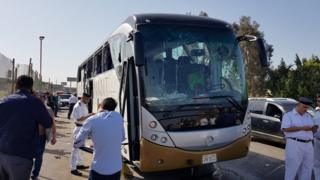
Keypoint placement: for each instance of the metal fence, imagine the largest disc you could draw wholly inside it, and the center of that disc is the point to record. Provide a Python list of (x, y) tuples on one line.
[(5, 87)]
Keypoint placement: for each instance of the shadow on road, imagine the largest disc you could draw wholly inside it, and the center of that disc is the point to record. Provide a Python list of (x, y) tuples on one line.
[(211, 172), (271, 143), (62, 122), (57, 152), (59, 135), (43, 177), (255, 166), (61, 127)]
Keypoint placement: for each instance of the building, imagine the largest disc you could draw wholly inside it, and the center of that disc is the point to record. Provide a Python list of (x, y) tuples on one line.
[(22, 69), (5, 67)]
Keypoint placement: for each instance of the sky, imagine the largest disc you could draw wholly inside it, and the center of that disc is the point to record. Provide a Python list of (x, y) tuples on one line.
[(73, 29)]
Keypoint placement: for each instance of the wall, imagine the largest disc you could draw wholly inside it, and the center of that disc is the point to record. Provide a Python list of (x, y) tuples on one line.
[(5, 66)]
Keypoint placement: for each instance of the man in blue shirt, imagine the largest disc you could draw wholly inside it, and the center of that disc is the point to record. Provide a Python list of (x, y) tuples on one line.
[(21, 113), (107, 132)]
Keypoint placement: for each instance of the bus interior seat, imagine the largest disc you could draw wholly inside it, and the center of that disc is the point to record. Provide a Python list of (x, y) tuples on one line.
[(170, 72), (154, 72), (226, 119), (185, 69)]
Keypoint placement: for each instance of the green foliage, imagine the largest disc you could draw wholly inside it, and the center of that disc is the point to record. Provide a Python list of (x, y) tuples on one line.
[(278, 79), (304, 80), (203, 13), (255, 74), (297, 61)]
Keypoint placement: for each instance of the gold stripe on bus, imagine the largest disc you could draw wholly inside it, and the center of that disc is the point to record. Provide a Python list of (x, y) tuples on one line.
[(154, 157)]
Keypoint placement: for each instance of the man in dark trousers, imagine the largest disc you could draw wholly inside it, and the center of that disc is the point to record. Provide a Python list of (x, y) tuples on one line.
[(21, 113)]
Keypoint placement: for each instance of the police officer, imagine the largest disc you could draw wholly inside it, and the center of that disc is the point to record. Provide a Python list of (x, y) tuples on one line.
[(79, 114), (72, 101), (298, 127), (317, 142)]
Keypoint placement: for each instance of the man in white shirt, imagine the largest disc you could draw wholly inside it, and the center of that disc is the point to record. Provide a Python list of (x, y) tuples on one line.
[(79, 114), (317, 142), (72, 101), (298, 127), (107, 132)]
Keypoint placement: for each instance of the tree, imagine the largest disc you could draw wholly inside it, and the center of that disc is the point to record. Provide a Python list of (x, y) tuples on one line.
[(315, 58), (255, 74), (302, 81), (278, 79), (203, 13), (297, 61)]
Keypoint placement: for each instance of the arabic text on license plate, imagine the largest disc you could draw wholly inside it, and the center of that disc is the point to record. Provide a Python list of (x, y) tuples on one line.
[(209, 158)]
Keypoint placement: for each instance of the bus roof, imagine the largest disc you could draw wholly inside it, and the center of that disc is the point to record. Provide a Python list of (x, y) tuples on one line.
[(137, 19), (174, 19)]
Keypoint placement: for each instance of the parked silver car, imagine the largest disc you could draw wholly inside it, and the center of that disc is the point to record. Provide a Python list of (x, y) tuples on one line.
[(64, 100), (266, 116)]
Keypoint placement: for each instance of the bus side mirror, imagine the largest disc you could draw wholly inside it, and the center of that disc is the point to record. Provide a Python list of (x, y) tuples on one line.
[(138, 49), (262, 52), (260, 47)]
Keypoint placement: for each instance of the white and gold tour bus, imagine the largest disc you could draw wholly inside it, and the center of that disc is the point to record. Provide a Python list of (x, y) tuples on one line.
[(180, 85)]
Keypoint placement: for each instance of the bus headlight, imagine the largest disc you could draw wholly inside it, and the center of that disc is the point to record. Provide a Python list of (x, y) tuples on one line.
[(164, 139), (154, 137), (153, 124)]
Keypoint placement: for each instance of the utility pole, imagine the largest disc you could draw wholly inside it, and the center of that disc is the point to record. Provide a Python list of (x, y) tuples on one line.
[(13, 75), (41, 38), (30, 68)]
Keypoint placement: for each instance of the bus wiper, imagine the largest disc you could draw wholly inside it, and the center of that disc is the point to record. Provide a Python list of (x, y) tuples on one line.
[(187, 105), (195, 104), (229, 98)]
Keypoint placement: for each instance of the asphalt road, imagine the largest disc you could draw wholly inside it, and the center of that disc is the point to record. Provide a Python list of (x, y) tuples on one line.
[(265, 161)]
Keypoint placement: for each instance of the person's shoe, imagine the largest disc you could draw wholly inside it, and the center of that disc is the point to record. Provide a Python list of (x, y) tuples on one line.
[(76, 173), (82, 167)]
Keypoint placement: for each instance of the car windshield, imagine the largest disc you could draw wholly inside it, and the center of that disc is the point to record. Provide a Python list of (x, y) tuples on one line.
[(288, 106), (65, 96), (185, 63)]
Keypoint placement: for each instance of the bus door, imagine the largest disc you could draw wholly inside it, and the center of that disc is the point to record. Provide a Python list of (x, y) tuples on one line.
[(89, 90), (128, 103)]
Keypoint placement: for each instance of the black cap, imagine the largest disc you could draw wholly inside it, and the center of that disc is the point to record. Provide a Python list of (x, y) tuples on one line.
[(86, 95), (305, 101)]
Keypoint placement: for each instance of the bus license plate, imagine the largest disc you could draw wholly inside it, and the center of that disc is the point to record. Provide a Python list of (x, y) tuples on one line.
[(209, 158)]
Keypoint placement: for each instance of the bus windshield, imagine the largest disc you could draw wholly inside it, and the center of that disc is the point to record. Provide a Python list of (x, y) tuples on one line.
[(185, 64)]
